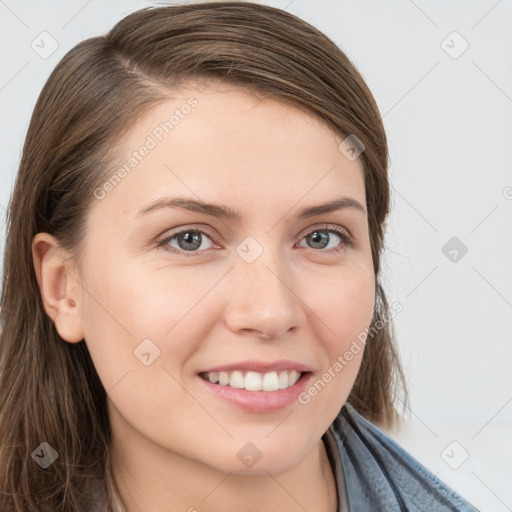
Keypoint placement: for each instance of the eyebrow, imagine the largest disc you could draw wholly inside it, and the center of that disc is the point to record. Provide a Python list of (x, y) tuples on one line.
[(227, 213)]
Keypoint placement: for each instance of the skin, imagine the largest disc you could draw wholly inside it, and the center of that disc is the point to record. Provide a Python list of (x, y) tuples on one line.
[(174, 445)]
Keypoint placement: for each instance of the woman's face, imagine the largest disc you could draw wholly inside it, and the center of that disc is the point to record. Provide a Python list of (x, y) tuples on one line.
[(267, 291)]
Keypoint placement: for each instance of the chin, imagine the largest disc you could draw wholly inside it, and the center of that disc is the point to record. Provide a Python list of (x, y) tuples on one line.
[(261, 456)]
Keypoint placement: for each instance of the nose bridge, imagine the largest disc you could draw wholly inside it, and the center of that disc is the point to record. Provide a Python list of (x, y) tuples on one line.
[(266, 271), (262, 296)]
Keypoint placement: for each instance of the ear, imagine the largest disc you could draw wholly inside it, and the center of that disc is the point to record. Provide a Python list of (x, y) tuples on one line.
[(59, 288)]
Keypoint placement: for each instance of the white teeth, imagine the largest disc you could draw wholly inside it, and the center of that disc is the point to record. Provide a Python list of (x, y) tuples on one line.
[(237, 380), (255, 381), (270, 382), (293, 377)]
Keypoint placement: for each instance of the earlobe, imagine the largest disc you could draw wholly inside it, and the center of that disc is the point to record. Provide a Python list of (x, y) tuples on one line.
[(58, 288)]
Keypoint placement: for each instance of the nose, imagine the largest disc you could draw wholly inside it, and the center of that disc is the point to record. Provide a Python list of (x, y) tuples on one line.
[(262, 298)]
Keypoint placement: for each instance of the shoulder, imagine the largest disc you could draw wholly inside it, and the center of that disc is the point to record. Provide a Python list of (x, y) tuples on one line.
[(380, 475)]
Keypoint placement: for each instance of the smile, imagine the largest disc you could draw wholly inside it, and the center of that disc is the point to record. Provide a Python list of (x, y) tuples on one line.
[(253, 381)]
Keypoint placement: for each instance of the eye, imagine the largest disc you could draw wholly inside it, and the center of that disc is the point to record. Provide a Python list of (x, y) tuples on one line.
[(320, 237), (188, 240)]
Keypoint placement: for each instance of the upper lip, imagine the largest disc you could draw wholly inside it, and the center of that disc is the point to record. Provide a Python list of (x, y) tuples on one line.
[(259, 366)]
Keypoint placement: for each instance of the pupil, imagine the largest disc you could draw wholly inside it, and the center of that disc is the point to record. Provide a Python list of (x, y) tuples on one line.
[(188, 237), (319, 234)]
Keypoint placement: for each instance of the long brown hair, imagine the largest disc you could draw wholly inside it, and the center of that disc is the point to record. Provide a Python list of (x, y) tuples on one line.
[(49, 389)]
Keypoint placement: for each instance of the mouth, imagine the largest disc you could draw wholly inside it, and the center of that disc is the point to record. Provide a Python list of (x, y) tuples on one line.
[(256, 392), (255, 381)]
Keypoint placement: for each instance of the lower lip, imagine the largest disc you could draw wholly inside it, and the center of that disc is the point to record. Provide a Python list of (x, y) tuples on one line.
[(259, 401)]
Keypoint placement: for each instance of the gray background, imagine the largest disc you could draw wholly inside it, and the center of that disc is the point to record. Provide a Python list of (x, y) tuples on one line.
[(447, 112)]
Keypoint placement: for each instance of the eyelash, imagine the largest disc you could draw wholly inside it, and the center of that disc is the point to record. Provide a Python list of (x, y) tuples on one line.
[(347, 241)]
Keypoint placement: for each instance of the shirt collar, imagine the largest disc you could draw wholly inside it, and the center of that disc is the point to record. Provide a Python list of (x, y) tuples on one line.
[(334, 456)]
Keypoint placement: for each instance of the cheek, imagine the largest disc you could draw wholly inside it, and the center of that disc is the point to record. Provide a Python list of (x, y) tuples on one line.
[(343, 311), (345, 306), (129, 312), (137, 343), (161, 295)]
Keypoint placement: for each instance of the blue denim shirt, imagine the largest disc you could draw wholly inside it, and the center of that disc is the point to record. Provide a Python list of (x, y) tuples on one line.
[(374, 474)]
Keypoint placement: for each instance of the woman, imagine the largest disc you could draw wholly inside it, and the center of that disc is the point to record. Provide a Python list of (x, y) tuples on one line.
[(192, 314)]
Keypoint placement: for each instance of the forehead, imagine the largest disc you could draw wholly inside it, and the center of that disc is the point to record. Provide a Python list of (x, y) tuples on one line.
[(225, 144)]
